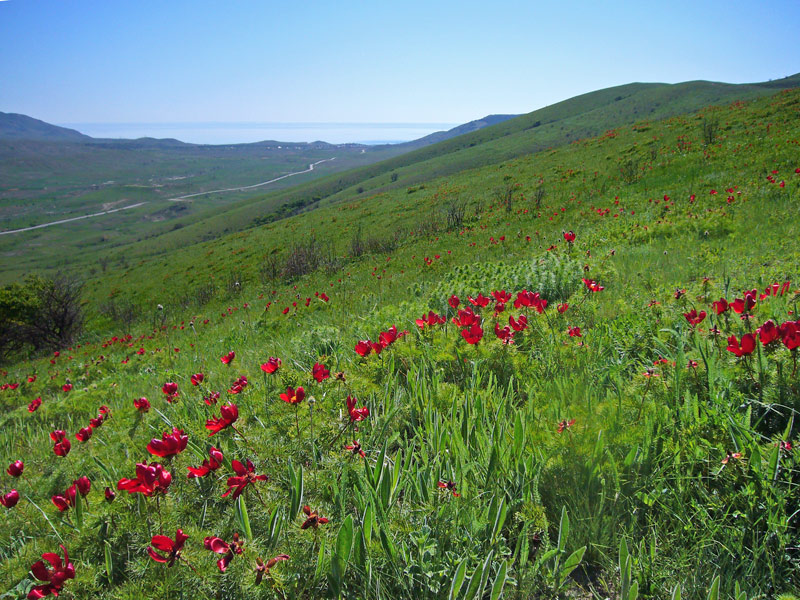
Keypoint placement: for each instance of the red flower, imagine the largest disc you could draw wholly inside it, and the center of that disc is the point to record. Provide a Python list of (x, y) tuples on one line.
[(54, 577), (164, 544), (569, 236), (320, 373), (790, 334), (15, 468), (363, 347), (34, 405), (720, 306), (480, 301), (244, 476), (747, 346), (262, 568), (10, 499), (592, 285), (431, 319), (466, 318), (562, 308), (450, 486), (356, 449), (745, 304), (472, 335), (211, 399), (238, 385), (84, 433), (66, 387), (83, 484), (272, 365), (220, 546), (170, 390), (293, 396), (356, 414), (66, 500), (694, 317), (565, 425), (110, 494), (519, 325), (228, 415), (505, 334), (62, 445), (150, 479), (31, 378), (141, 404), (768, 332), (212, 463), (313, 520), (197, 379), (228, 358), (574, 332), (170, 444), (454, 301)]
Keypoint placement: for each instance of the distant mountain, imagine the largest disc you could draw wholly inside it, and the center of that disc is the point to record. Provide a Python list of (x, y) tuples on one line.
[(440, 136), (21, 127)]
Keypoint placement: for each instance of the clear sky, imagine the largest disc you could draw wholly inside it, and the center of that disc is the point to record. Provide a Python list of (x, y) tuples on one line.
[(68, 61)]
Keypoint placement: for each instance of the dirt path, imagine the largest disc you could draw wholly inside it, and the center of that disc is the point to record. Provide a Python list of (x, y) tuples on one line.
[(98, 214)]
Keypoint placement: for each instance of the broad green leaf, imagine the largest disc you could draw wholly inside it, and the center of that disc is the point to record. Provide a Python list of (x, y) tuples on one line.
[(563, 529), (109, 561), (713, 593), (676, 592), (242, 518), (570, 564), (499, 582), (458, 580)]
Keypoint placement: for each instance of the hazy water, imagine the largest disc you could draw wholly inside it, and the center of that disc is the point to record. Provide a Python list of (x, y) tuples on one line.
[(241, 133)]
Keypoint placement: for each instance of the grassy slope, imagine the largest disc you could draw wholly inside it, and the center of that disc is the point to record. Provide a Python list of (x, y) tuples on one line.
[(642, 462)]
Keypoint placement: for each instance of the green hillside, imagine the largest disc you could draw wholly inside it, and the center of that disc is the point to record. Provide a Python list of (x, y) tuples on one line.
[(571, 374)]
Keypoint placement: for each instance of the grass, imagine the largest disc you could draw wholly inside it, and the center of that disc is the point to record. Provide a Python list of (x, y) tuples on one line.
[(633, 494)]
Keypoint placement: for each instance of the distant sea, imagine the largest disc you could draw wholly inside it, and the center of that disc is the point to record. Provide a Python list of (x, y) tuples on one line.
[(243, 133)]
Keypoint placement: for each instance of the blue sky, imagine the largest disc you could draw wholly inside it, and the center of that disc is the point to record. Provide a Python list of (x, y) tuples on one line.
[(68, 61)]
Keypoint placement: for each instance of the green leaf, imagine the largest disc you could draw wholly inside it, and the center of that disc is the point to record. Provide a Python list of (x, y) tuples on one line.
[(499, 581), (109, 562), (713, 593), (341, 553), (570, 564), (478, 580), (676, 592), (774, 463), (634, 593), (275, 525), (458, 580), (242, 519), (563, 529), (519, 435), (79, 511)]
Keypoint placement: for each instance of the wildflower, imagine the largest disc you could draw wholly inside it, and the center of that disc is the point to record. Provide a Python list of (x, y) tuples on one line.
[(356, 449), (262, 568), (197, 379), (293, 396), (238, 385), (694, 318), (505, 334), (748, 344), (363, 348), (170, 444), (66, 500), (720, 306), (228, 415), (228, 358), (431, 319), (272, 365), (10, 499), (768, 332), (170, 390), (141, 404), (453, 301), (480, 301), (472, 335), (15, 468), (562, 308), (83, 484), (34, 405), (574, 332), (110, 494), (66, 387), (569, 236), (54, 578), (84, 433), (164, 544), (518, 325), (62, 444), (220, 546), (356, 414), (692, 364), (150, 479), (729, 455), (211, 399), (313, 520), (320, 372), (450, 486), (592, 285), (212, 463), (564, 424), (244, 475)]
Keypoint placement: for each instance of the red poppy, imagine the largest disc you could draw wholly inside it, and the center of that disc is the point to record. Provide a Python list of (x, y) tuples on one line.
[(320, 372), (466, 318), (480, 301), (694, 318), (238, 385), (170, 444), (212, 463), (228, 415), (356, 414), (141, 404), (170, 390), (84, 433), (565, 425), (745, 304), (562, 308), (518, 325), (313, 519), (505, 334), (10, 499), (62, 444), (592, 285), (262, 568), (768, 332), (15, 468), (66, 387), (83, 484), (472, 335), (228, 358), (34, 405), (272, 365), (293, 396), (747, 346), (431, 319), (164, 544), (150, 479), (220, 546), (453, 301), (211, 399), (720, 306), (197, 379), (450, 486), (244, 476), (110, 494), (363, 348), (54, 578), (356, 449), (66, 500), (574, 332)]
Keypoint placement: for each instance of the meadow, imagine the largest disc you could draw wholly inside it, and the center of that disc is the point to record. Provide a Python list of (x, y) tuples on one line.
[(572, 374)]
